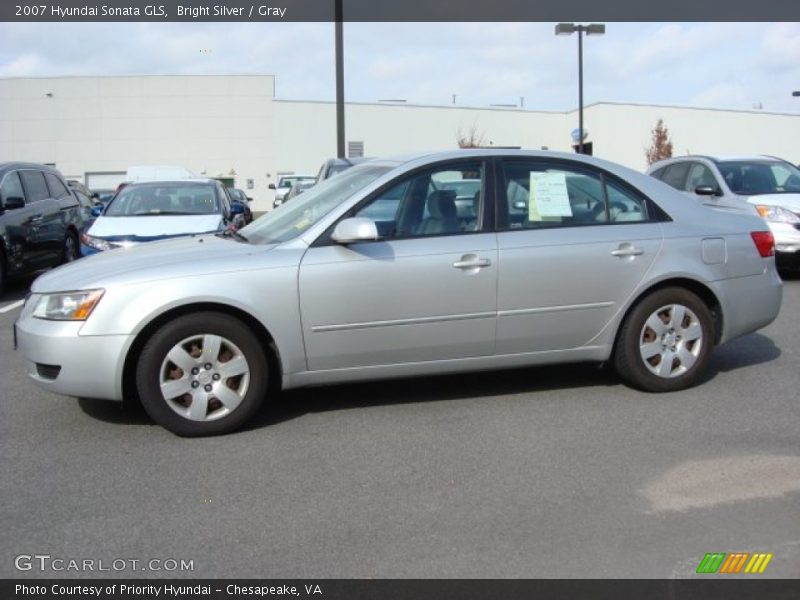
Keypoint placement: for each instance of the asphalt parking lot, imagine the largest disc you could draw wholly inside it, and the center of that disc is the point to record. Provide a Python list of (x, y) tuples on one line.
[(544, 472)]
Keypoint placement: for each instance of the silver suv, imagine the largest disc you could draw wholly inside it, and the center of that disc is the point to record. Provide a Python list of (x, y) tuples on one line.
[(768, 185)]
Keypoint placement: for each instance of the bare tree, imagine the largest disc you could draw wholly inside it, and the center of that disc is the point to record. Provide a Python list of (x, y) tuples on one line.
[(472, 139), (660, 145)]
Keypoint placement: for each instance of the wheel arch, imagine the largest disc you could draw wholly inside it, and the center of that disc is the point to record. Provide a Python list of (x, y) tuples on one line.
[(701, 290), (265, 338)]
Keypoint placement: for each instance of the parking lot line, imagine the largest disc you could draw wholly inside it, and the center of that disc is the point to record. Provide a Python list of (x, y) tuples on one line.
[(12, 306)]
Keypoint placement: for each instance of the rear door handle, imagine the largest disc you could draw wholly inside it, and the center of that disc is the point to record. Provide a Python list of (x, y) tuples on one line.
[(472, 263), (627, 250)]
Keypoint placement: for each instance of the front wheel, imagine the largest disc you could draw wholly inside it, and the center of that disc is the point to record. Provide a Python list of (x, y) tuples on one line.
[(202, 374), (665, 342)]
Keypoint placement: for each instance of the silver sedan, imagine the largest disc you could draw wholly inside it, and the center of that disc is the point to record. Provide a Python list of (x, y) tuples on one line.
[(376, 273)]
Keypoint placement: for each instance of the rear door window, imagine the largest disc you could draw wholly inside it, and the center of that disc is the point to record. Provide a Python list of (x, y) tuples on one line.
[(675, 175), (35, 186)]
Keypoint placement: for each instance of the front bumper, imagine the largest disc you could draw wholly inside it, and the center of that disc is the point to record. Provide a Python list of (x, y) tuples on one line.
[(787, 238), (61, 360)]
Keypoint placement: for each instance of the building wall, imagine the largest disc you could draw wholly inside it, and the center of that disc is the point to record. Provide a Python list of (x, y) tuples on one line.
[(307, 130), (211, 125), (622, 132), (231, 126)]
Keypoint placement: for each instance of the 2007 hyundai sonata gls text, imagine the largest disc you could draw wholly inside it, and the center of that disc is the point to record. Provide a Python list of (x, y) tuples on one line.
[(380, 272)]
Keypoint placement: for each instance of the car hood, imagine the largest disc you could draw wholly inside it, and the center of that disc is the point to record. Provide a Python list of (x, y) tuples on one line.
[(165, 260), (149, 227), (790, 201)]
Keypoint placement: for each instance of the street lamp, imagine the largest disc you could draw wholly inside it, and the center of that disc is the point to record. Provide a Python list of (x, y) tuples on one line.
[(569, 29)]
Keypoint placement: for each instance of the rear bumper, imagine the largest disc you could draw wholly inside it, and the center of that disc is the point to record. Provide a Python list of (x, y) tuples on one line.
[(749, 303)]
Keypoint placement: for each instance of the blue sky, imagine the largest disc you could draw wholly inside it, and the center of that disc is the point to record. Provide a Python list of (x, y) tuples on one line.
[(721, 65)]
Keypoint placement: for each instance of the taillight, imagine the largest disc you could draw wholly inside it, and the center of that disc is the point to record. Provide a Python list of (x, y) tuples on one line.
[(765, 242)]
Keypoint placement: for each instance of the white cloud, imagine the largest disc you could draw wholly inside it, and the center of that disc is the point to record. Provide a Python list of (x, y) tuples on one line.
[(716, 64)]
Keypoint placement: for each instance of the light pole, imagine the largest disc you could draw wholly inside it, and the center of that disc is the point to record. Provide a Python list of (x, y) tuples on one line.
[(569, 29), (339, 16)]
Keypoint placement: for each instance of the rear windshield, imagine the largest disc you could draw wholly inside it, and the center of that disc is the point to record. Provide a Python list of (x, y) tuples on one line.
[(164, 199)]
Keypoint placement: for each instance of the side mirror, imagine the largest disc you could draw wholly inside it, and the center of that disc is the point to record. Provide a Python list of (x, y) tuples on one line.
[(236, 209), (97, 210), (13, 202), (355, 229), (706, 190)]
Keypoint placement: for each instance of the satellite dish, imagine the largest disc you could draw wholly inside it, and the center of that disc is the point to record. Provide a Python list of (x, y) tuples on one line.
[(576, 134)]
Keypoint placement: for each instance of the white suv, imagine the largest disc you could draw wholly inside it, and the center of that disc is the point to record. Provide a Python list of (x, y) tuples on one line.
[(766, 184)]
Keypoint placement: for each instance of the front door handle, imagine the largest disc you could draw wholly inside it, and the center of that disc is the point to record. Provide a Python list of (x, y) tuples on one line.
[(627, 250), (471, 262), (36, 219)]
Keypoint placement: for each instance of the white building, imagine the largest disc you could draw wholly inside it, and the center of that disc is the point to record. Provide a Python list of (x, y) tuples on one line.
[(232, 127)]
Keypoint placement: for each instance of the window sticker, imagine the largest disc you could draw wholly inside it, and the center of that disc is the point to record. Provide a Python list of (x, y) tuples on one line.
[(548, 197)]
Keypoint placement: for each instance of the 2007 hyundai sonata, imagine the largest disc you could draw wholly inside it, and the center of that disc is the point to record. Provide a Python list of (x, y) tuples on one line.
[(386, 271)]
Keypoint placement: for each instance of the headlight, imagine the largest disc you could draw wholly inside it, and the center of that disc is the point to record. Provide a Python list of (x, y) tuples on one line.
[(96, 243), (67, 306), (777, 214)]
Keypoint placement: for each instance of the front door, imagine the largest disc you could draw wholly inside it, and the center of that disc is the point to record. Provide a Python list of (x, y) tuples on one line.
[(425, 291)]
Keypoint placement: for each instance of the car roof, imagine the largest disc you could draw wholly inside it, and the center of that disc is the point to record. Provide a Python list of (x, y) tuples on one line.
[(195, 180), (8, 166), (714, 159)]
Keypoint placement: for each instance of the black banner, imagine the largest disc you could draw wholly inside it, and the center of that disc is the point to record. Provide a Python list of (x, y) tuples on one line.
[(711, 588), (405, 11)]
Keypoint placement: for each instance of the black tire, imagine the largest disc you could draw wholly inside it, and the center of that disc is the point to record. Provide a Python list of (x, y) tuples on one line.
[(70, 250), (666, 370), (154, 365)]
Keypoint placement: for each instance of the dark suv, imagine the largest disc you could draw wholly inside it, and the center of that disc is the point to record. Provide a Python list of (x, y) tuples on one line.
[(40, 219)]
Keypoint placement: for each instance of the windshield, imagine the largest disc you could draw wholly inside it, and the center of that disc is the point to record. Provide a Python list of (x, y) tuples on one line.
[(292, 219), (290, 181), (153, 199), (753, 178)]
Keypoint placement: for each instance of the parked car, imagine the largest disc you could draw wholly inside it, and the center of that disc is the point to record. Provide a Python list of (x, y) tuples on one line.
[(104, 196), (89, 209), (144, 212), (240, 197), (285, 184), (77, 185), (40, 219), (203, 329), (297, 189), (762, 184), (332, 166)]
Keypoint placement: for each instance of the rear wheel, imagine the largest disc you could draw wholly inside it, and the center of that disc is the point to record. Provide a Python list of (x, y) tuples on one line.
[(70, 251), (665, 342), (202, 374)]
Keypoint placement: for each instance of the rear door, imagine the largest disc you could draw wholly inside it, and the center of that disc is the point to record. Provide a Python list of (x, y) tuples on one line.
[(45, 229), (573, 245)]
